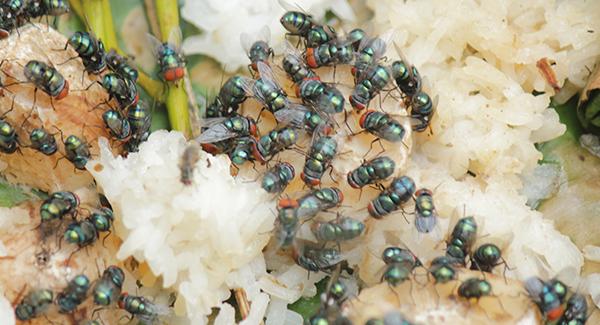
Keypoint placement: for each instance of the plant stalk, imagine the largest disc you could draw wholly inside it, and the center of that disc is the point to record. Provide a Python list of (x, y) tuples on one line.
[(177, 107), (93, 16)]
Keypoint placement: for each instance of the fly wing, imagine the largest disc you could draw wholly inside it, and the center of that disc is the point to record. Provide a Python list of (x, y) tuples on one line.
[(249, 86), (215, 133), (210, 122), (293, 116), (379, 48), (160, 309), (326, 105), (154, 43), (403, 59), (570, 276), (378, 44), (202, 102), (291, 50), (364, 42), (175, 38), (246, 41), (534, 287), (264, 34), (290, 6), (266, 74)]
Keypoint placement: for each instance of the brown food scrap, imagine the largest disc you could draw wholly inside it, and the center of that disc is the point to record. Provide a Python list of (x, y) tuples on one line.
[(593, 83), (434, 304), (242, 300), (545, 67), (71, 115)]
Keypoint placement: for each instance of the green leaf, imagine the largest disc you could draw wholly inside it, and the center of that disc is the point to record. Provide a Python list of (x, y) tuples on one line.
[(11, 195), (567, 113), (308, 307), (589, 112)]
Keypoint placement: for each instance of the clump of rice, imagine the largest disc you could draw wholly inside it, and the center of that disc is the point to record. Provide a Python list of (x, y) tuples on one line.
[(479, 58), (202, 239)]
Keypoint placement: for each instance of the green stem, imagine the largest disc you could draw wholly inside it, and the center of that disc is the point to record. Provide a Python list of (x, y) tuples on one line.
[(110, 35), (177, 107), (168, 17), (77, 7), (92, 13)]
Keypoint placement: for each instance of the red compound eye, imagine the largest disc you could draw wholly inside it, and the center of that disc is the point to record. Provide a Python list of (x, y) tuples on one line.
[(64, 92), (173, 74), (288, 203), (363, 118), (555, 313), (310, 58)]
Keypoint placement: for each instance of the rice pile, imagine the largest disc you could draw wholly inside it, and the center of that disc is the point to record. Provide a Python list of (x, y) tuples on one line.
[(482, 67), (479, 60), (201, 239)]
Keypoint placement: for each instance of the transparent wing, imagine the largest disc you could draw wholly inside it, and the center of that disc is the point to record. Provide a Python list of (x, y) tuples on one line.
[(371, 67), (160, 309), (249, 86), (215, 133), (292, 115), (457, 213), (175, 37), (364, 43), (403, 59), (155, 44), (379, 48), (210, 122), (202, 102), (290, 6), (246, 41), (425, 225), (436, 100), (325, 105), (266, 74), (378, 44), (289, 116), (534, 287), (316, 135), (264, 34), (344, 40), (291, 50), (568, 275)]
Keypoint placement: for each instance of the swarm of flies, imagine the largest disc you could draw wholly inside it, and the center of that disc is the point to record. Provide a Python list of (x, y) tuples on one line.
[(312, 111)]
